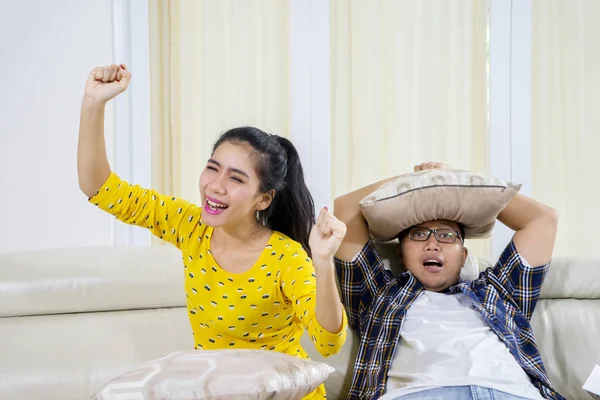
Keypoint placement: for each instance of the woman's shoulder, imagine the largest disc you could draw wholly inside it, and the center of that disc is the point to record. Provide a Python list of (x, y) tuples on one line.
[(285, 244), (287, 248)]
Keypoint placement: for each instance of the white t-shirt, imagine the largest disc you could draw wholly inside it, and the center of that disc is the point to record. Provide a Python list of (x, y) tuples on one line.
[(446, 342)]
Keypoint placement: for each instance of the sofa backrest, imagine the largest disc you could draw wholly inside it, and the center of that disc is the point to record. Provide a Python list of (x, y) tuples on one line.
[(72, 319)]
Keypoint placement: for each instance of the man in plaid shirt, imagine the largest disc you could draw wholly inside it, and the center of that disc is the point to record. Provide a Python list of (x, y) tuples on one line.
[(427, 334)]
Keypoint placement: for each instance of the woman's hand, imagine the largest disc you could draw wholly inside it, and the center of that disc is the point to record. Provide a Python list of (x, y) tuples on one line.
[(105, 83), (326, 236)]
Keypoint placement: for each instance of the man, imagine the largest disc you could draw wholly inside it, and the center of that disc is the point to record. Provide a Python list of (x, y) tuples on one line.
[(427, 334)]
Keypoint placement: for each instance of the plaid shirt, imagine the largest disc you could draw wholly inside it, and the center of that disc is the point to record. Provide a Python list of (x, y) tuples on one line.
[(376, 303)]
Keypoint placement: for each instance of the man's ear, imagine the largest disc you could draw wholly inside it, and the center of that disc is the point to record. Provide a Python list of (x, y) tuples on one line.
[(265, 200), (465, 254)]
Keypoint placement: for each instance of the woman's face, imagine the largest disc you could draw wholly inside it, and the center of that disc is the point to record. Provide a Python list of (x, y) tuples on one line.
[(230, 186)]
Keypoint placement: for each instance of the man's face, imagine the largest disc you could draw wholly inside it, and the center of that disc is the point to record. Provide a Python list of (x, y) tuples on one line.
[(436, 263)]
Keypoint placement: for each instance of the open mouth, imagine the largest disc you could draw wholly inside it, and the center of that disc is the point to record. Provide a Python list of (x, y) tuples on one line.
[(214, 206), (433, 264)]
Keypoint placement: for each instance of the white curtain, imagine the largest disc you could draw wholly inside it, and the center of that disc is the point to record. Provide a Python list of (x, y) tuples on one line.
[(214, 65), (408, 85), (566, 118)]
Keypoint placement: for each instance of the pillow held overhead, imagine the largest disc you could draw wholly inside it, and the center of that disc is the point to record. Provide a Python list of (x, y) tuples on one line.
[(470, 198)]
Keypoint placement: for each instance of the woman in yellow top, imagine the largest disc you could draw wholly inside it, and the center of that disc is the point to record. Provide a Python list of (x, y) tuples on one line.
[(249, 281)]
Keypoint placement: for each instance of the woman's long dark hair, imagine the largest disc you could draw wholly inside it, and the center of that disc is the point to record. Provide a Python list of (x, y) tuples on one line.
[(292, 211)]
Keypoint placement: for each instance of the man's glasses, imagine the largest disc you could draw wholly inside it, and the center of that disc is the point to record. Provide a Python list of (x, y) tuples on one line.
[(443, 235)]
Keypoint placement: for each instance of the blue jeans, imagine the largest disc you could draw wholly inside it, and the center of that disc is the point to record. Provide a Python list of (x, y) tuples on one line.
[(460, 393)]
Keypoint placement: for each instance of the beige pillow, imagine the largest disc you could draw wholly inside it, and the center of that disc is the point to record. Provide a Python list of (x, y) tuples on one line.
[(219, 375), (472, 199)]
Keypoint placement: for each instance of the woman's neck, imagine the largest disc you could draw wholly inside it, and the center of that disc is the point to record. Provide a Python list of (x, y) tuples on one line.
[(246, 235)]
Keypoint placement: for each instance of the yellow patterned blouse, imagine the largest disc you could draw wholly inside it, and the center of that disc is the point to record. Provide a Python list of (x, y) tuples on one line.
[(267, 307)]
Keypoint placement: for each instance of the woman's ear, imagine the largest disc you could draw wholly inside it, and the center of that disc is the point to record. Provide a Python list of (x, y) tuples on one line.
[(265, 200)]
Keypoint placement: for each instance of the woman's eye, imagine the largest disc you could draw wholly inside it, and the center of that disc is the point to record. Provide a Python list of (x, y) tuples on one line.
[(211, 168), (237, 179)]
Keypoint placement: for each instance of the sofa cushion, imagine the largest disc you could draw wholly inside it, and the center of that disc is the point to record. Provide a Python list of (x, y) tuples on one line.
[(473, 199), (219, 375), (90, 279), (572, 278)]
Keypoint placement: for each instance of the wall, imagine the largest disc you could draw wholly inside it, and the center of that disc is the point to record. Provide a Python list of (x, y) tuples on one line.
[(47, 50)]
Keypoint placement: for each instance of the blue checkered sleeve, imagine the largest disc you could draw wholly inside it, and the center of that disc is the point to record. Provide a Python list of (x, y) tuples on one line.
[(360, 281), (520, 281)]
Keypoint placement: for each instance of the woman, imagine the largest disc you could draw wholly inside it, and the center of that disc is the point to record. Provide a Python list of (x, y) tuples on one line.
[(249, 281)]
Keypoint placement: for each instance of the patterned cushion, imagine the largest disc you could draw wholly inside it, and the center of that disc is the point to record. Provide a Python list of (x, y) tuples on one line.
[(219, 374), (467, 197)]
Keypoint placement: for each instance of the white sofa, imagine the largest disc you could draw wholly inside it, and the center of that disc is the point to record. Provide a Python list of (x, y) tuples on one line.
[(72, 319)]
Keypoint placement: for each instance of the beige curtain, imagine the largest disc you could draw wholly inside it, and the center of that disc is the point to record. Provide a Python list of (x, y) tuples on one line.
[(565, 119), (214, 65), (408, 85)]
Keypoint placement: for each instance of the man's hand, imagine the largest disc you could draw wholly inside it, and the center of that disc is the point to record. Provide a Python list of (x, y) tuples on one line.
[(431, 165)]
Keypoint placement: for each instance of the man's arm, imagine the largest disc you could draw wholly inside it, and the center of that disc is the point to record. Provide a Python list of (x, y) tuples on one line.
[(535, 226), (347, 209), (359, 268), (522, 267)]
